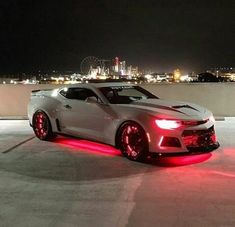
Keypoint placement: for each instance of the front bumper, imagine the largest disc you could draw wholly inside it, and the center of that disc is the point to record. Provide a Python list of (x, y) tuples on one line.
[(198, 150), (196, 140), (188, 141)]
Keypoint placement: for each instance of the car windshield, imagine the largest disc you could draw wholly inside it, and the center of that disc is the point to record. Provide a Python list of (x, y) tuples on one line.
[(125, 94)]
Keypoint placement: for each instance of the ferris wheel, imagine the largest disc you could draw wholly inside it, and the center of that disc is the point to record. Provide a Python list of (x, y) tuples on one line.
[(88, 64)]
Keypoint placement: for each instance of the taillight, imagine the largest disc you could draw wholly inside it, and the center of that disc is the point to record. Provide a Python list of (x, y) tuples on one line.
[(168, 124)]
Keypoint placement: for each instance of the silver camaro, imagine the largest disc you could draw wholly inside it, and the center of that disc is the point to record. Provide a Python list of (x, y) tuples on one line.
[(125, 116)]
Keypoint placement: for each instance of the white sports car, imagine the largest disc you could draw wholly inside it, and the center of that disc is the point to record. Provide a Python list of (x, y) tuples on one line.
[(123, 115)]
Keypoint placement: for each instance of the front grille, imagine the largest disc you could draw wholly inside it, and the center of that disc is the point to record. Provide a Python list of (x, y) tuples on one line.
[(194, 139)]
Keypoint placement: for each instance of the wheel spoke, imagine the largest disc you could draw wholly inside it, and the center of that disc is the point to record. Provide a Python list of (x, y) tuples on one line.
[(132, 141), (41, 125)]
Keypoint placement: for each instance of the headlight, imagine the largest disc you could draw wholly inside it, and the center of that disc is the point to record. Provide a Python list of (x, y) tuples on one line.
[(174, 124), (168, 124)]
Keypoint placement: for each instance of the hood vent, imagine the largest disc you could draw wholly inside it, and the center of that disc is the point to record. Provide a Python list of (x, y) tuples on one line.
[(184, 106)]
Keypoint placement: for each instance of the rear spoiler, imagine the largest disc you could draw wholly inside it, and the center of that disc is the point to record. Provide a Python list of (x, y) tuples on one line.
[(35, 91), (41, 92)]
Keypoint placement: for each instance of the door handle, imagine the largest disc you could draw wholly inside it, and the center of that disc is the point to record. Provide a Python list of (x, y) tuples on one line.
[(67, 106)]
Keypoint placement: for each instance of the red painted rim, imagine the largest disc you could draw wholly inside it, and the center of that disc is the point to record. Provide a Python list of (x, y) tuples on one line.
[(41, 125), (132, 140)]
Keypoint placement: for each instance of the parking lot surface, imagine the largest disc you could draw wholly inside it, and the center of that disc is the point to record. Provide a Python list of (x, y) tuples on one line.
[(74, 182)]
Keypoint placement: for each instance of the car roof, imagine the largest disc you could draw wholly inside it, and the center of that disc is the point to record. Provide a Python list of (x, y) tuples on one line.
[(98, 85)]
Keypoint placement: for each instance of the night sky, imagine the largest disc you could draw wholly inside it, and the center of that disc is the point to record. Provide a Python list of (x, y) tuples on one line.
[(158, 35)]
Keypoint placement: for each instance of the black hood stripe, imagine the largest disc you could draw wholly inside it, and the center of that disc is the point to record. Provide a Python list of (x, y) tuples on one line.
[(185, 106), (157, 106)]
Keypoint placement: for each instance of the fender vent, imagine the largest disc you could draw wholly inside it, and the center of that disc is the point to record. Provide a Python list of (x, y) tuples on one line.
[(58, 124)]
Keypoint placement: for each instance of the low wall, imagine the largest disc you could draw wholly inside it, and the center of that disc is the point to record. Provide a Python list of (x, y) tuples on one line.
[(218, 97), (14, 98)]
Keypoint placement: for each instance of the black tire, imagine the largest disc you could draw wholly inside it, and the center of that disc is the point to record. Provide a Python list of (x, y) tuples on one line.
[(132, 141), (42, 126)]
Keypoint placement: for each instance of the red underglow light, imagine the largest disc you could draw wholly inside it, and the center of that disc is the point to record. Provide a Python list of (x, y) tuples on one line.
[(168, 124), (183, 160), (88, 146)]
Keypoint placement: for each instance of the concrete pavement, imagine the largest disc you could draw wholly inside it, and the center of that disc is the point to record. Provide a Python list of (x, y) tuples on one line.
[(73, 182)]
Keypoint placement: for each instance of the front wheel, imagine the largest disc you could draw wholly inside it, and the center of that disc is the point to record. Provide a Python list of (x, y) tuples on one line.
[(42, 126), (132, 141)]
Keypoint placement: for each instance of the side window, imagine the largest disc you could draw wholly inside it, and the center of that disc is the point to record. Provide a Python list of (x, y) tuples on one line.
[(79, 93), (63, 92)]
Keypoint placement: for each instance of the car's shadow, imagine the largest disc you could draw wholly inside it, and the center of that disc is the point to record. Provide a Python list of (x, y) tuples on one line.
[(68, 159)]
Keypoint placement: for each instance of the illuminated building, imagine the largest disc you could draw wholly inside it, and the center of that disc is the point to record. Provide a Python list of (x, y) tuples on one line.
[(123, 67), (227, 73), (116, 65), (177, 75)]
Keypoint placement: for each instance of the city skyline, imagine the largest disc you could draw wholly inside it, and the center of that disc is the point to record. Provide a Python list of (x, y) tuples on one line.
[(157, 36)]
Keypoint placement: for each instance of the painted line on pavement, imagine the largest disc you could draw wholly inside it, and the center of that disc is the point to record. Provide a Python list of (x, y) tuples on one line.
[(17, 145)]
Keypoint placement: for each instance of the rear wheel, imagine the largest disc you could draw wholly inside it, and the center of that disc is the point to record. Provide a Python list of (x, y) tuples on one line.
[(42, 126), (132, 141)]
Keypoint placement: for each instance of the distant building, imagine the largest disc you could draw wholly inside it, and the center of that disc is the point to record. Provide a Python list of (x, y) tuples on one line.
[(123, 67), (116, 65), (227, 73)]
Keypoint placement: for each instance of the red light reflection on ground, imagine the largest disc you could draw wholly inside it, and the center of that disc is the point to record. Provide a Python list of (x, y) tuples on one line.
[(223, 174), (183, 160), (103, 149), (229, 151), (88, 146), (225, 153)]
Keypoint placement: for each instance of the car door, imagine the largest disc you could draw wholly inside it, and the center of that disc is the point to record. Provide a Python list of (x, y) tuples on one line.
[(81, 118)]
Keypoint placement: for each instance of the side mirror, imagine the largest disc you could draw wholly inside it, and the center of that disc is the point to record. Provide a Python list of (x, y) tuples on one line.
[(92, 99)]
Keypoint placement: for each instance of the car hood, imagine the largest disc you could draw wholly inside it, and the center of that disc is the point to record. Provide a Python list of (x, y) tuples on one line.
[(172, 109)]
